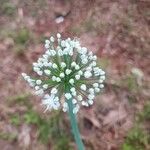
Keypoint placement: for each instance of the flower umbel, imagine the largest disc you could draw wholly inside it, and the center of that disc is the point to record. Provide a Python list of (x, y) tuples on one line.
[(66, 64)]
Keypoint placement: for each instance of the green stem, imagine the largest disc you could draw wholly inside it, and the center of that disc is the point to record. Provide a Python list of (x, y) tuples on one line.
[(74, 125)]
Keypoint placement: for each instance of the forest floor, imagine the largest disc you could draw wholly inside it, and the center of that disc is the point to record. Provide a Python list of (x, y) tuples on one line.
[(118, 31)]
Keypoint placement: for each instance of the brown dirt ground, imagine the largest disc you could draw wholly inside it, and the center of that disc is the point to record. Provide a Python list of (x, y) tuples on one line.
[(118, 31)]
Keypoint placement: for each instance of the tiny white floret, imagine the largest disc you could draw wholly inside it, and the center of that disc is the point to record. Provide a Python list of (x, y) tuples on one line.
[(47, 72), (52, 39), (62, 75), (45, 86), (68, 71), (63, 65), (55, 66), (87, 74), (58, 35), (58, 79), (80, 98), (54, 91), (101, 85), (77, 67), (74, 101), (38, 82), (77, 77), (83, 87), (95, 85), (71, 81), (54, 78), (68, 95), (97, 90), (91, 96)]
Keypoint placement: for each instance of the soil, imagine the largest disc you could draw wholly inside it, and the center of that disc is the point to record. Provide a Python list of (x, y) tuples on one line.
[(118, 31)]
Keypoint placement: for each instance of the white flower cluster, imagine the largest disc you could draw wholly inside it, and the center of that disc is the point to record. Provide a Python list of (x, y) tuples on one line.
[(66, 64)]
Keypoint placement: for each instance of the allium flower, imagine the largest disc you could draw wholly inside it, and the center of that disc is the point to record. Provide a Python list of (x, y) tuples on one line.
[(65, 64)]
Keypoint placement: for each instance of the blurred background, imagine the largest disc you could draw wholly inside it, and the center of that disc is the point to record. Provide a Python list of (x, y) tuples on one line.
[(118, 31)]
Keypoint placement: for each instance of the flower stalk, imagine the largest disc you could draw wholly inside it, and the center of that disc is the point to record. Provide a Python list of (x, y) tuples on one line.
[(74, 125)]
